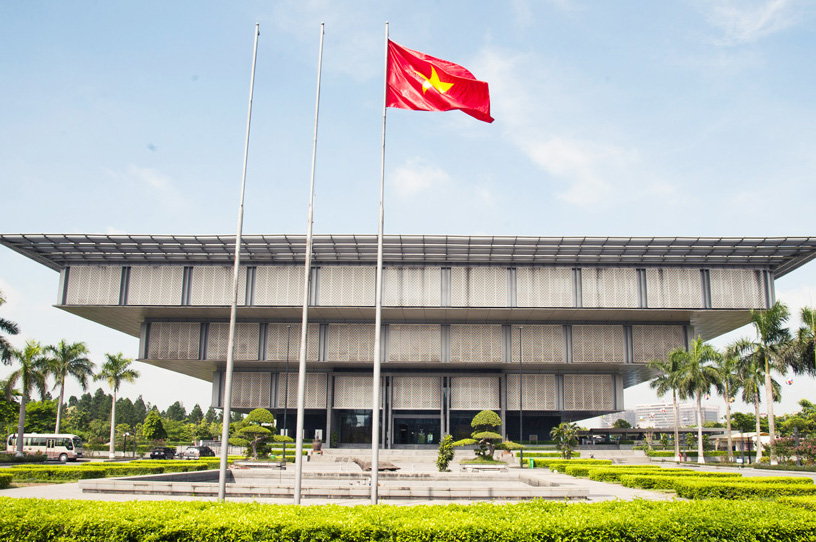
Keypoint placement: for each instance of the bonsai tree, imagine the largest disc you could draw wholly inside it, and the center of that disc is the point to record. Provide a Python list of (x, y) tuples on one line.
[(566, 437), (484, 425), (255, 430)]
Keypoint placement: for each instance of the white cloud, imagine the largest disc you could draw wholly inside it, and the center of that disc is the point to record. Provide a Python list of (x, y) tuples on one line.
[(153, 183), (745, 21), (417, 176)]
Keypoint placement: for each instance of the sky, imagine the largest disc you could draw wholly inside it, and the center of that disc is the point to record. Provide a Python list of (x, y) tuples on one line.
[(685, 118)]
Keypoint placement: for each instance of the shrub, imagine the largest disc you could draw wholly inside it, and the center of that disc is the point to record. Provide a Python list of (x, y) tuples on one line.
[(553, 464), (43, 474), (27, 520), (707, 489), (803, 468), (26, 458), (5, 480), (613, 474), (446, 453), (660, 481), (545, 454), (807, 502)]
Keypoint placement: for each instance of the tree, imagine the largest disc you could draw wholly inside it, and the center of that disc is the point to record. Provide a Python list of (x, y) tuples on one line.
[(566, 436), (40, 416), (176, 412), (115, 370), (446, 453), (153, 428), (751, 375), (30, 375), (255, 430), (9, 327), (64, 360), (668, 380), (620, 423), (728, 384), (196, 415), (774, 339), (697, 378), (485, 424)]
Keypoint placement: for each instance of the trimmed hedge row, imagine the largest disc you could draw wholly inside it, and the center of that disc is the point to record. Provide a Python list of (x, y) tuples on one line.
[(560, 465), (613, 474), (546, 454), (706, 489), (808, 502), (661, 481), (41, 474), (28, 520), (5, 480), (584, 470)]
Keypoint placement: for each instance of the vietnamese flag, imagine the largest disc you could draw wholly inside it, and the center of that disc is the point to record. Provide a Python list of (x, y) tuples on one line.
[(423, 83)]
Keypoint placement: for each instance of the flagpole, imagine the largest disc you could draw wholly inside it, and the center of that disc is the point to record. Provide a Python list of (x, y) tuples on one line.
[(375, 387), (307, 272), (222, 474)]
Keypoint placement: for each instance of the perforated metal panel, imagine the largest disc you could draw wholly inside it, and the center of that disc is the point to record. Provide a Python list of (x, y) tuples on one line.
[(655, 342), (94, 285), (315, 390), (250, 389), (544, 287), (212, 285), (609, 287), (475, 393), (174, 340), (416, 392), (346, 286), (476, 343), (736, 289), (539, 392), (589, 392), (540, 344), (279, 285), (479, 286), (276, 342), (354, 392), (414, 342), (674, 288), (246, 341), (598, 344), (155, 285), (350, 342), (412, 286)]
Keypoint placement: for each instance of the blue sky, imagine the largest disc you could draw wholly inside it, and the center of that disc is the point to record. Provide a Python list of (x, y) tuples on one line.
[(612, 118)]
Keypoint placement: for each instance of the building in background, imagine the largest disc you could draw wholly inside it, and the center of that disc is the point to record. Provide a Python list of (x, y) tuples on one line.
[(553, 328), (661, 416)]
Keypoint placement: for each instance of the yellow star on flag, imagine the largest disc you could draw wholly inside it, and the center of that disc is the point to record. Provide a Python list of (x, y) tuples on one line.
[(434, 82)]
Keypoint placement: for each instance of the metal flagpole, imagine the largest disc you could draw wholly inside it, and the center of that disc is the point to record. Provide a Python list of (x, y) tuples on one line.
[(222, 475), (307, 272), (375, 384)]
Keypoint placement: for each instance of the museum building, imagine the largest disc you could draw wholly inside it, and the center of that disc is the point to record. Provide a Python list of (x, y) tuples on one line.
[(549, 328)]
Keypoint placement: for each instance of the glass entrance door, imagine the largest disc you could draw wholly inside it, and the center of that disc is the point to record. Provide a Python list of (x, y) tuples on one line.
[(413, 430)]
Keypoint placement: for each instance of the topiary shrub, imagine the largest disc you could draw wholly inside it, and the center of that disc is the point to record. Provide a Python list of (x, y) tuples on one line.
[(446, 453), (5, 480), (484, 425)]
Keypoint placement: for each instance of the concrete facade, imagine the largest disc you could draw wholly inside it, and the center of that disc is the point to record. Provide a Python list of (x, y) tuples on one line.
[(553, 327)]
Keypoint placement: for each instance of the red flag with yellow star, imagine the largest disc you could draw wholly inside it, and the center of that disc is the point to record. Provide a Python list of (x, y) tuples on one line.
[(423, 83)]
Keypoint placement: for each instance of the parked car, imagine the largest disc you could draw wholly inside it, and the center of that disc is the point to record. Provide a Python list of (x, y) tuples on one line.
[(163, 452), (197, 452)]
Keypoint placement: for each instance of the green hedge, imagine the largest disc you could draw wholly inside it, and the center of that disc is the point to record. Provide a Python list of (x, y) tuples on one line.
[(705, 489), (545, 454), (803, 468), (6, 457), (47, 474), (561, 464), (666, 481), (808, 502), (689, 453), (28, 520), (5, 480), (613, 474), (584, 470)]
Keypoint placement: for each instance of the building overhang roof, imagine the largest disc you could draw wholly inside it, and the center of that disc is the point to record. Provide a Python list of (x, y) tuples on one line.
[(57, 251)]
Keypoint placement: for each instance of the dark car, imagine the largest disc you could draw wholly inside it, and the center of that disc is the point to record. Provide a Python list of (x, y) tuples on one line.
[(197, 452), (163, 452)]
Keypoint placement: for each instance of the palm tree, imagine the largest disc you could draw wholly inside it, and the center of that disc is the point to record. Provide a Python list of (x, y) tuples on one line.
[(30, 375), (802, 357), (697, 378), (728, 383), (68, 359), (751, 375), (6, 326), (774, 339), (667, 380), (115, 370), (567, 436)]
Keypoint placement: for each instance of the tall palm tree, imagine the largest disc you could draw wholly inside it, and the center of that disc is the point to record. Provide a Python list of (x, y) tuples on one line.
[(115, 370), (802, 357), (31, 374), (668, 380), (9, 327), (697, 378), (728, 384), (774, 339), (751, 374), (64, 360)]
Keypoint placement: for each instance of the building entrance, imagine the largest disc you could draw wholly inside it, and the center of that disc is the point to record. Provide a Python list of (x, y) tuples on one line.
[(412, 430)]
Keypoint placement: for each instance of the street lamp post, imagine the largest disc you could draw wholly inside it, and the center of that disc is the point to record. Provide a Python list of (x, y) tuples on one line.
[(286, 395), (521, 405), (124, 444)]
